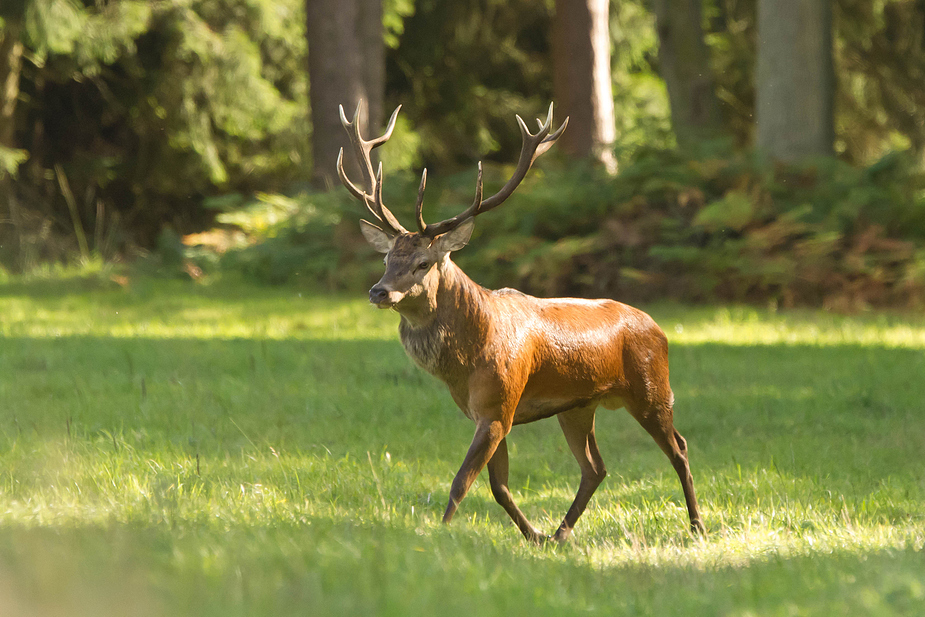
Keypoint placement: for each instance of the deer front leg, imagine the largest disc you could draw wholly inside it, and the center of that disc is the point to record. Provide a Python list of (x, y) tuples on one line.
[(497, 474), (488, 434)]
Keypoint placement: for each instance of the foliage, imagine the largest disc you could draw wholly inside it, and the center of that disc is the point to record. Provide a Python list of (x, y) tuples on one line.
[(640, 99), (10, 160), (140, 108), (696, 228), (226, 449), (135, 117), (731, 34), (394, 13), (690, 227), (879, 61), (880, 49), (463, 70), (297, 243)]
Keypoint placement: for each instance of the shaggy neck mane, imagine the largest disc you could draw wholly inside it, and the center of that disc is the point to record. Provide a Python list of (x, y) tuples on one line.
[(447, 331), (460, 296)]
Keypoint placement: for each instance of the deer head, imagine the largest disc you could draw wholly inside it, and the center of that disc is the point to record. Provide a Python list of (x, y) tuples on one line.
[(415, 260)]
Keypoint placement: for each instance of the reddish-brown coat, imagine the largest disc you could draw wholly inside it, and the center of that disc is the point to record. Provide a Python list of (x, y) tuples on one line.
[(508, 358)]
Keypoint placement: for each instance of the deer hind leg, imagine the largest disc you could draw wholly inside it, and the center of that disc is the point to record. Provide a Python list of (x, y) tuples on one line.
[(578, 427), (661, 427), (497, 475)]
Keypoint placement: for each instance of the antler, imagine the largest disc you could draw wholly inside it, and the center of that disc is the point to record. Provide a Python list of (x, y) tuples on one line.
[(533, 146), (372, 197)]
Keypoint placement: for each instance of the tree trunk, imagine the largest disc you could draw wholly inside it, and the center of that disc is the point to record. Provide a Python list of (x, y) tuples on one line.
[(582, 80), (684, 63), (373, 58), (795, 81), (346, 64)]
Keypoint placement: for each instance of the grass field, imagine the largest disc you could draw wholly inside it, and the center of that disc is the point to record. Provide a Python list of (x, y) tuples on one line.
[(178, 449)]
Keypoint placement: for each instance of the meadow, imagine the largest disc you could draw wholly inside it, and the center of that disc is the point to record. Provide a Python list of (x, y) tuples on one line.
[(170, 448)]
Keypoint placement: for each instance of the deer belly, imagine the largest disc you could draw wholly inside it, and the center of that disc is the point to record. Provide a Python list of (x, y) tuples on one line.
[(612, 402), (531, 410)]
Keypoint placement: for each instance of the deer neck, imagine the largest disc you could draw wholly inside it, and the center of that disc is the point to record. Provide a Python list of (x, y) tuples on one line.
[(441, 329), (451, 300)]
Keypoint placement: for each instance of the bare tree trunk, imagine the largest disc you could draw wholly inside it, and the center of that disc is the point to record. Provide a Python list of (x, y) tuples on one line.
[(582, 79), (795, 81), (346, 64), (684, 62), (373, 59)]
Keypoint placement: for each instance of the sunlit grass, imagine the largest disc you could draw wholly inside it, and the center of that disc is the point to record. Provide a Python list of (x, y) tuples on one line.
[(749, 326), (170, 448), (172, 309)]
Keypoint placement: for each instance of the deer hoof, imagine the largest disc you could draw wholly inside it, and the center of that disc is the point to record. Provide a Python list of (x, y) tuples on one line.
[(535, 537), (539, 539), (697, 528), (562, 535)]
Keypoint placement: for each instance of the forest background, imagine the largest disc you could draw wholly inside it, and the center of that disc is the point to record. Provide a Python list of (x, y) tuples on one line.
[(731, 150)]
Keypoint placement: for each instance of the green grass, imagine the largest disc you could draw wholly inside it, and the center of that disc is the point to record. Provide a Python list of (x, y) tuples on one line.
[(171, 449)]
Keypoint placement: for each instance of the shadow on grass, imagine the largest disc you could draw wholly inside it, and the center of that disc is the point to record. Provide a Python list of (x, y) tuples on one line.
[(342, 567)]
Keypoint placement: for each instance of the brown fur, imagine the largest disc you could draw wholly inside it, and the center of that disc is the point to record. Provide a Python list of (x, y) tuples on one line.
[(509, 358)]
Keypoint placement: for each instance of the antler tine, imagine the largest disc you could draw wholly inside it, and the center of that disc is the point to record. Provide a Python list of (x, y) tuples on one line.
[(533, 146), (345, 180), (361, 148), (419, 205), (372, 195), (375, 143), (366, 199), (436, 229), (549, 140), (384, 214), (478, 190)]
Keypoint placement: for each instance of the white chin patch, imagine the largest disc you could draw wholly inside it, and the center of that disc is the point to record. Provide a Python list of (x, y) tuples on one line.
[(394, 298)]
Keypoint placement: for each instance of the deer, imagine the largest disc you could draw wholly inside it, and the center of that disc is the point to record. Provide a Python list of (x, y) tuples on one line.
[(508, 358)]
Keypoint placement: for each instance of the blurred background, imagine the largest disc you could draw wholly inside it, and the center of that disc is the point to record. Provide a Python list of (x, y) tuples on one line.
[(762, 151)]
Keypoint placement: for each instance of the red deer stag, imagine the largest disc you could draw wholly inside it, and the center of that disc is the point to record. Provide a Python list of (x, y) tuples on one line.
[(509, 358)]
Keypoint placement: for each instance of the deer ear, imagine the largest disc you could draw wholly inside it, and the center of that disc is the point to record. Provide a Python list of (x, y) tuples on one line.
[(457, 238), (380, 240)]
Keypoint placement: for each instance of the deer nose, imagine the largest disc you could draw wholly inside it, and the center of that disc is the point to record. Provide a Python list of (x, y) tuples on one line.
[(378, 294)]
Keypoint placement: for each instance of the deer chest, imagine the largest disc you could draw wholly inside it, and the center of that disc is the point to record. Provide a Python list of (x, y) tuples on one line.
[(425, 346)]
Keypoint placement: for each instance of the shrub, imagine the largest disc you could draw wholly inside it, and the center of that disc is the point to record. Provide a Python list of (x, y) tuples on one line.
[(717, 228), (670, 225)]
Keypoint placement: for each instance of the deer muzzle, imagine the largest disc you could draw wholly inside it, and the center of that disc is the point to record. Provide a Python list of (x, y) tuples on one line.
[(383, 297)]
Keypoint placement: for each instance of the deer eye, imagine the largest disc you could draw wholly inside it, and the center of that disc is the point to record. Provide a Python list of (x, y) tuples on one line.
[(423, 265)]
